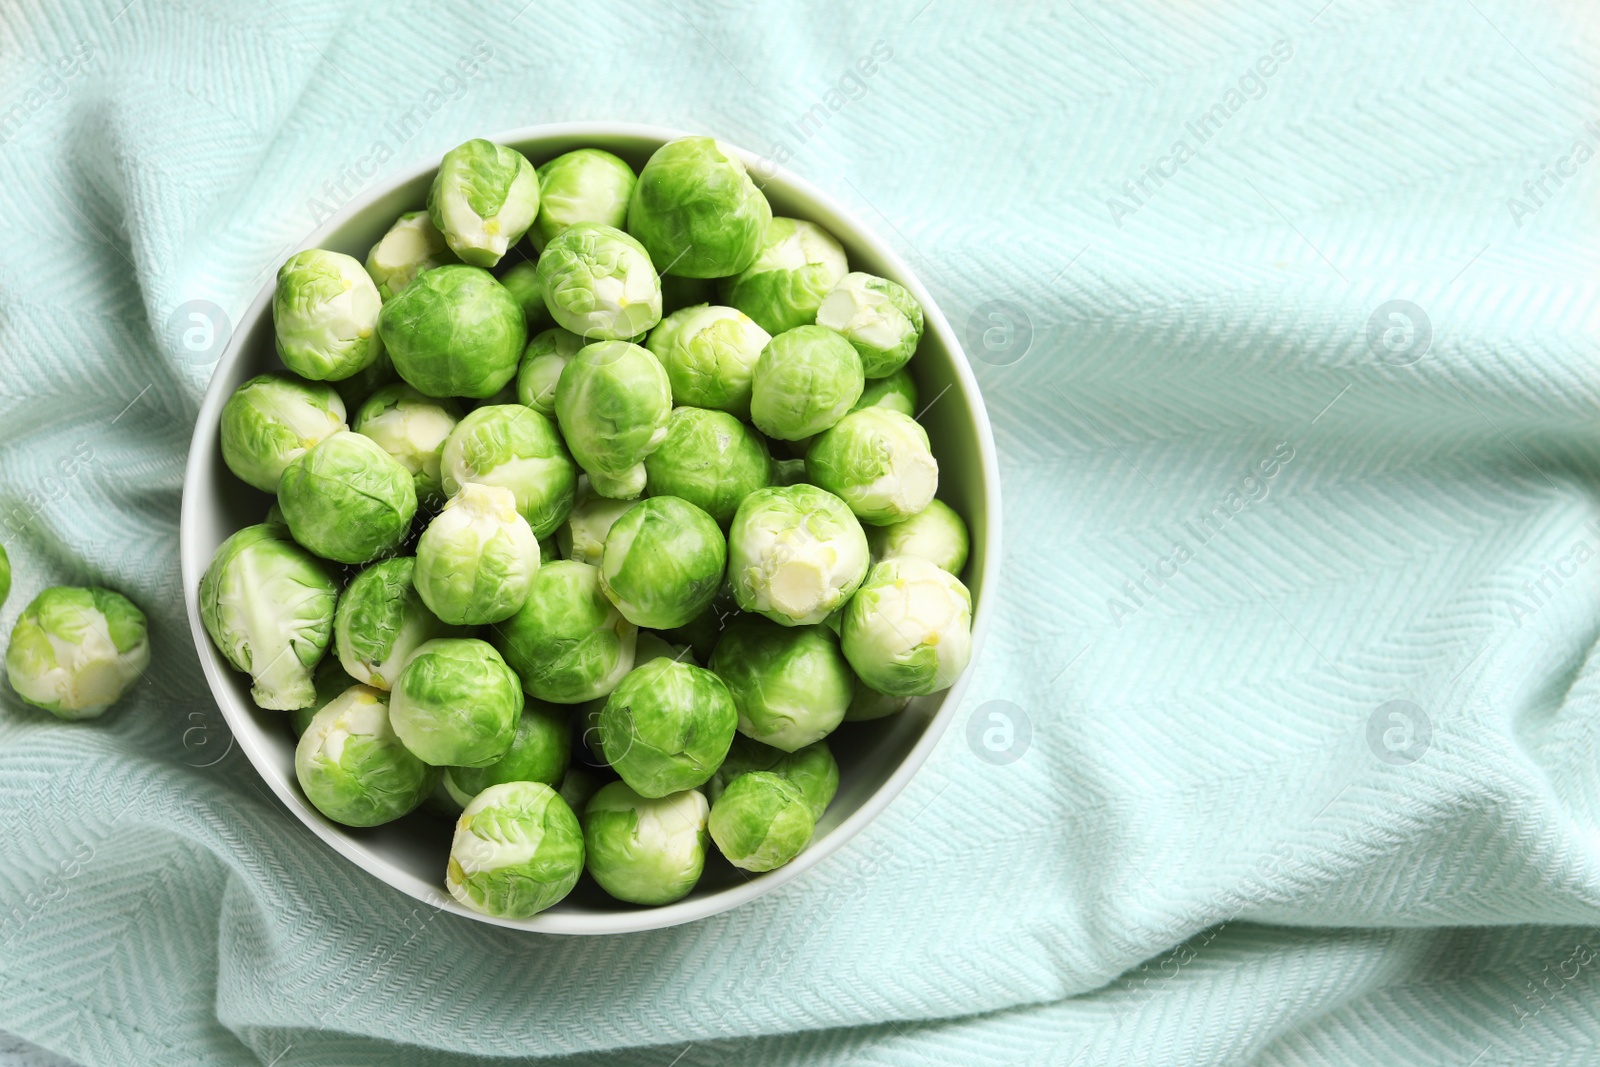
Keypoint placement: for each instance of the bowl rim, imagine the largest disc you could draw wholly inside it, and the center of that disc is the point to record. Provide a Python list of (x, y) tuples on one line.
[(690, 909)]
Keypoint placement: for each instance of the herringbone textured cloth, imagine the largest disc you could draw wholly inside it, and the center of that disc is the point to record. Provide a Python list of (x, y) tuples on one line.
[(1298, 763)]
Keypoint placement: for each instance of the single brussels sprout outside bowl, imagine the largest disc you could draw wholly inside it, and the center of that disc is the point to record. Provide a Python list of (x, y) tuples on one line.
[(881, 755)]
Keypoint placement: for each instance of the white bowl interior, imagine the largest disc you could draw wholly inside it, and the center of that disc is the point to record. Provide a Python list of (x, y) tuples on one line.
[(875, 759)]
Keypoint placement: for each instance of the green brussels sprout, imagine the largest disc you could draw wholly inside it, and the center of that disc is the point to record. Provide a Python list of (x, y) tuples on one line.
[(868, 704), (599, 283), (936, 534), (568, 644), (455, 331), (517, 850), (381, 620), (908, 631), (807, 379), (795, 554), (702, 632), (878, 461), (791, 684), (456, 703), (5, 575), (546, 357), (477, 559), (582, 538), (352, 766), (696, 210), (799, 264), (897, 392), (355, 389), (789, 472), (331, 682), (548, 551), (578, 785), (540, 751), (412, 428), (412, 245), (347, 499), (761, 821), (516, 448), (709, 354), (663, 562), (651, 646), (324, 314), (678, 292), (268, 605), (667, 727), (710, 459), (75, 651), (645, 850), (483, 199), (879, 317), (811, 769), (273, 419), (613, 402), (587, 185), (523, 283)]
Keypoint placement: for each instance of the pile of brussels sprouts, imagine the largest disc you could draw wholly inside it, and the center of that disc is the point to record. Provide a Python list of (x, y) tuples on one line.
[(554, 545)]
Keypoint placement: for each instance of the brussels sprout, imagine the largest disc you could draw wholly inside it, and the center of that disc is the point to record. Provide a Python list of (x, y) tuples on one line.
[(578, 785), (653, 646), (791, 684), (667, 727), (380, 621), (75, 651), (588, 185), (799, 263), (811, 769), (582, 538), (936, 534), (273, 419), (599, 283), (5, 575), (710, 459), (483, 199), (412, 428), (761, 821), (324, 314), (702, 632), (879, 317), (268, 605), (678, 292), (877, 461), (567, 644), (709, 354), (477, 558), (347, 499), (540, 751), (807, 379), (351, 765), (897, 392), (331, 682), (696, 211), (795, 554), (548, 551), (613, 402), (355, 389), (455, 331), (523, 283), (908, 632), (517, 850), (868, 704), (663, 562), (789, 472), (412, 245), (518, 449), (645, 850), (546, 357), (456, 703)]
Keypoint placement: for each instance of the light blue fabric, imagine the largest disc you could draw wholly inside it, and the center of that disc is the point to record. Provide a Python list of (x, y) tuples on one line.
[(1238, 530)]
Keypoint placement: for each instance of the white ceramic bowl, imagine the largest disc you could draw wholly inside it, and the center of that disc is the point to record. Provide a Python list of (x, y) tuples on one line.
[(878, 758)]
